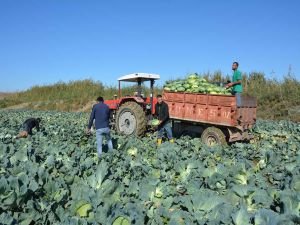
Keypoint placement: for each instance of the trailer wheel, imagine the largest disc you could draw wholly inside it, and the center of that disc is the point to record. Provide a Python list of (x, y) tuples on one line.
[(213, 136)]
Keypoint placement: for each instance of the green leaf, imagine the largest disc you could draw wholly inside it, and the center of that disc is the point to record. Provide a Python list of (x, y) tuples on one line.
[(27, 221), (242, 191), (291, 203), (33, 185), (206, 201), (266, 217), (95, 180), (241, 217), (7, 219)]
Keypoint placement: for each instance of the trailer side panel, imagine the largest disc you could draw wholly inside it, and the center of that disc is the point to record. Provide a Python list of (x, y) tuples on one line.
[(219, 110)]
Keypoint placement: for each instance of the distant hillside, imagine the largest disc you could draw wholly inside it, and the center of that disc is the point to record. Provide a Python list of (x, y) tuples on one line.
[(276, 99), (4, 95)]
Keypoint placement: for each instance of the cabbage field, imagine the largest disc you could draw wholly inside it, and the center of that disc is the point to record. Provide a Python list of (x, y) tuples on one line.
[(54, 177)]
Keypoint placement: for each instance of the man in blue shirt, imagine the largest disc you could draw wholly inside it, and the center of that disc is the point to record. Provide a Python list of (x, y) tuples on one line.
[(101, 114)]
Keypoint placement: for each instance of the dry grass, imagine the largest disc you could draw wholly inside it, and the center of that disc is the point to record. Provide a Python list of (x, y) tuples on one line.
[(70, 96)]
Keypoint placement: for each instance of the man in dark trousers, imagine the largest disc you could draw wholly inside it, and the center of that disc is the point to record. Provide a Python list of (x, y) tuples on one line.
[(101, 115), (162, 114), (28, 125)]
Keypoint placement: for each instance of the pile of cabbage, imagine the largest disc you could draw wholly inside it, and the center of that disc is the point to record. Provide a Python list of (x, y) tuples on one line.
[(55, 177), (195, 84)]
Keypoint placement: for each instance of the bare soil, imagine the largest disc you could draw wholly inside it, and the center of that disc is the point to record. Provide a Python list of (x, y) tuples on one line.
[(19, 106)]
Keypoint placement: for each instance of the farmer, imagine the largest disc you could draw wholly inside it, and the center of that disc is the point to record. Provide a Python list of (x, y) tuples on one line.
[(236, 83), (27, 127), (162, 114), (101, 114)]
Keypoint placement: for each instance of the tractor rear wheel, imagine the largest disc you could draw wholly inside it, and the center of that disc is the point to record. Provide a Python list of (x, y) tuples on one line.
[(131, 119), (213, 136)]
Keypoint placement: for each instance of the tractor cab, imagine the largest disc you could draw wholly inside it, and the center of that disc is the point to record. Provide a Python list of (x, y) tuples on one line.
[(138, 95), (131, 113)]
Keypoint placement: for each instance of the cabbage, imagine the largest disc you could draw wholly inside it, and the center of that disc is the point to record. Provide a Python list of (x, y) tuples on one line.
[(195, 84), (155, 122), (84, 210), (121, 221)]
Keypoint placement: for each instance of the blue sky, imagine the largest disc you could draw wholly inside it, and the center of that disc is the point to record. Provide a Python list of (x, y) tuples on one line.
[(42, 42)]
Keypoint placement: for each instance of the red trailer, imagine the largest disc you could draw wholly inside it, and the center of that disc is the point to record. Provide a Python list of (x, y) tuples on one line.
[(216, 117)]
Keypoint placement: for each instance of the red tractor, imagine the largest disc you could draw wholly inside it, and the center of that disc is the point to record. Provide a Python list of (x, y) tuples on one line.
[(130, 114)]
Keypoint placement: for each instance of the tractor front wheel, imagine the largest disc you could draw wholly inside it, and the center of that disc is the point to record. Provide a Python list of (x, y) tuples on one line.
[(131, 119)]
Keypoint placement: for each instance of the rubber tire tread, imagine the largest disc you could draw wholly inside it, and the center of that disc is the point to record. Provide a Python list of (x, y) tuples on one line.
[(218, 133), (139, 114)]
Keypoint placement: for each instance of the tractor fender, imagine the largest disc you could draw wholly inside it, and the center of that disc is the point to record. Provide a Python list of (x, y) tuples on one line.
[(133, 99), (112, 104)]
